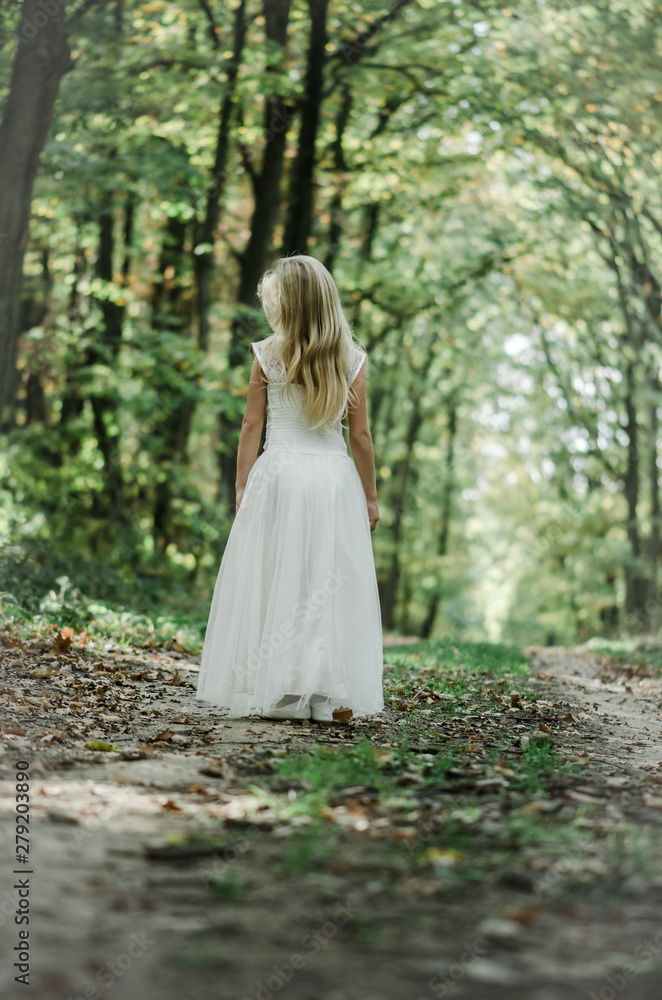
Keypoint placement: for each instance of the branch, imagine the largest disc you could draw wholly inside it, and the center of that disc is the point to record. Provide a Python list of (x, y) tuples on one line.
[(352, 50), (243, 150), (212, 24), (577, 417)]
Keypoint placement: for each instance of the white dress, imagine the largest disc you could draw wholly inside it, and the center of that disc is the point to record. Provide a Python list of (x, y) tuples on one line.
[(295, 609)]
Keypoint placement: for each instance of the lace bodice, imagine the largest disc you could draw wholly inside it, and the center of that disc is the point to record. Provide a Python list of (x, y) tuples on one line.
[(287, 428)]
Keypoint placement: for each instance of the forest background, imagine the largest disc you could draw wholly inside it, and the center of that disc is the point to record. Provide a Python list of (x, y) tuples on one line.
[(483, 182)]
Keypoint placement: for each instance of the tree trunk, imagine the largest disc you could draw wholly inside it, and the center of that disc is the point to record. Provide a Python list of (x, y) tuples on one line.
[(42, 58), (170, 314), (104, 351), (203, 257), (72, 399), (341, 169), (167, 310), (278, 116), (654, 487), (35, 312), (444, 524), (300, 209), (636, 586), (266, 182), (389, 590)]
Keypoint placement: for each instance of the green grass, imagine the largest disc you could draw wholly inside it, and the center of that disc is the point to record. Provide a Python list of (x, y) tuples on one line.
[(451, 676), (325, 770), (483, 656), (532, 766), (456, 851)]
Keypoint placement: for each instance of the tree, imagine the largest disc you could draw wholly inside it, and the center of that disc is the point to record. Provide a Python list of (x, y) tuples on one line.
[(42, 58)]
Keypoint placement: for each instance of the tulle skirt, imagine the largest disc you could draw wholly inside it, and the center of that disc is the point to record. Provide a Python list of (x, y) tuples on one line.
[(295, 609)]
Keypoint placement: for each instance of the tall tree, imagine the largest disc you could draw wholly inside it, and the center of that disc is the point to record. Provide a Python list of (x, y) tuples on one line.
[(42, 58)]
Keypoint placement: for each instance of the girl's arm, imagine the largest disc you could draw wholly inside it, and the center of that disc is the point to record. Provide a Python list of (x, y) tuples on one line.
[(360, 442), (251, 428)]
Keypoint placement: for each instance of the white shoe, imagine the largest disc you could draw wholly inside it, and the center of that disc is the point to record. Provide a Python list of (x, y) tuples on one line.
[(286, 712)]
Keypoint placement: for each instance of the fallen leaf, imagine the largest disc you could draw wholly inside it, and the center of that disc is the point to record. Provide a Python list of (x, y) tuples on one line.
[(100, 745), (166, 735), (213, 771), (523, 914), (62, 641), (442, 859), (342, 714)]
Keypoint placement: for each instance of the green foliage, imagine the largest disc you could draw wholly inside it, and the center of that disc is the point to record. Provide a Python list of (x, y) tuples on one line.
[(487, 184), (96, 623)]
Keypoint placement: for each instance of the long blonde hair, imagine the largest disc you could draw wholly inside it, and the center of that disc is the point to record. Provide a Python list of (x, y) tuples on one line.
[(311, 335)]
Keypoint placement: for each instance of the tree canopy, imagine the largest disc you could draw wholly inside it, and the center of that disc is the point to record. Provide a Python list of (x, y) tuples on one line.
[(483, 182)]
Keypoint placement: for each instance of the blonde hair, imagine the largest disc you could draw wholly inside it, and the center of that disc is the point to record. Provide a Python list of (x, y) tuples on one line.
[(311, 335)]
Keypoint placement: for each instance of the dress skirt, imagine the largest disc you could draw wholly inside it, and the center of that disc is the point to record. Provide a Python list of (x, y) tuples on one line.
[(295, 609)]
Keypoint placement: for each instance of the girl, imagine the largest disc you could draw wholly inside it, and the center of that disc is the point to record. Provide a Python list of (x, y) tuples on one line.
[(294, 629)]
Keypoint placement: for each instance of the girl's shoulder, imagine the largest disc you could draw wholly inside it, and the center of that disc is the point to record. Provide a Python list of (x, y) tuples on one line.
[(268, 360), (259, 345), (357, 357)]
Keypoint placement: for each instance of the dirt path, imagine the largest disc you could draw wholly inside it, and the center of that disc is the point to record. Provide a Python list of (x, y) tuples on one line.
[(626, 702), (112, 916)]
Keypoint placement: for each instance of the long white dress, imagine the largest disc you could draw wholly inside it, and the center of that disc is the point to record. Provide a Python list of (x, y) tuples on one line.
[(295, 609)]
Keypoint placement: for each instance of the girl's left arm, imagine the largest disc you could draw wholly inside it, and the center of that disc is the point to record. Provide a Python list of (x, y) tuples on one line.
[(251, 428)]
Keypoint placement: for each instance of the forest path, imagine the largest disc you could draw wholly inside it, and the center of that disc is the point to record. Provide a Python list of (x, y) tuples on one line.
[(116, 913), (626, 700)]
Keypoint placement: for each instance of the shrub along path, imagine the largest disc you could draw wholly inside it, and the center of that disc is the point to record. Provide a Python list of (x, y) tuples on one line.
[(496, 833)]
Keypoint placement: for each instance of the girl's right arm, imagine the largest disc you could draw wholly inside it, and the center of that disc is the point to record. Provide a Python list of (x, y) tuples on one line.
[(251, 429), (360, 442)]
